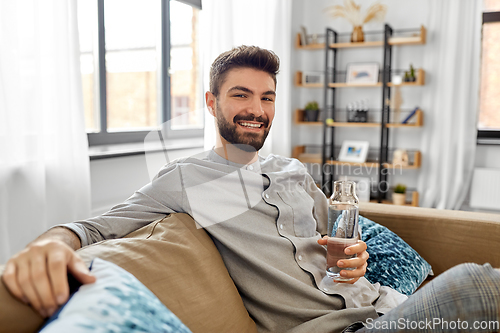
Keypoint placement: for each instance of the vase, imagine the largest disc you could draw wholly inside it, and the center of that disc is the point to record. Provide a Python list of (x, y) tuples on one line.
[(311, 115), (357, 34), (399, 198)]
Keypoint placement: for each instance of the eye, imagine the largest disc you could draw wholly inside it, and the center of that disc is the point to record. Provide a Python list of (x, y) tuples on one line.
[(240, 95), (267, 99)]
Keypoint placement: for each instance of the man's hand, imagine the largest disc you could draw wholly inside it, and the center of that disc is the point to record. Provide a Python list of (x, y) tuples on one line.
[(38, 274), (359, 261)]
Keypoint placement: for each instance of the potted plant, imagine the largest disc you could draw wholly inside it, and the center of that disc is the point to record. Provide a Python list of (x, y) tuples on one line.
[(399, 195), (311, 111), (410, 75), (413, 77)]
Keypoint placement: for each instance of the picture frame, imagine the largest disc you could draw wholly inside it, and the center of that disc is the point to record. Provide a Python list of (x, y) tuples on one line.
[(353, 151), (310, 77), (362, 73)]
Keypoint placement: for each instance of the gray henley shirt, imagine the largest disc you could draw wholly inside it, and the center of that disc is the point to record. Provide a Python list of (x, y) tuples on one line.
[(265, 219)]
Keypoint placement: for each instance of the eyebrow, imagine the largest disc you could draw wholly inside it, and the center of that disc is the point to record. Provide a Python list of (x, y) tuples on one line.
[(241, 88)]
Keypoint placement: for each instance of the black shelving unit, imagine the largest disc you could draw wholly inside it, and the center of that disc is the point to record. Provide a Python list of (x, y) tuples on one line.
[(386, 111), (329, 102)]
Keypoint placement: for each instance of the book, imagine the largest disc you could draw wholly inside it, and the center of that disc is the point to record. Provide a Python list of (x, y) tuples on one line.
[(410, 116)]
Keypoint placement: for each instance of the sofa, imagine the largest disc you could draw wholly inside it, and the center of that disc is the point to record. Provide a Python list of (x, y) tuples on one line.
[(179, 263)]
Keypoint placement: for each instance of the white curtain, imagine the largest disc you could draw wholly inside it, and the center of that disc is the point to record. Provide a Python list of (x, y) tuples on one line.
[(264, 23), (452, 63), (44, 167)]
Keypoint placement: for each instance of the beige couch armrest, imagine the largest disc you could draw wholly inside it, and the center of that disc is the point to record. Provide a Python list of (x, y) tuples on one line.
[(444, 238)]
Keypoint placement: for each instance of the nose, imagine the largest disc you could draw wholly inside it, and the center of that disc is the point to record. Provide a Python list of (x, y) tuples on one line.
[(256, 107)]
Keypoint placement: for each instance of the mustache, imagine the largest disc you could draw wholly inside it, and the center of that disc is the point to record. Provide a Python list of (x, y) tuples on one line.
[(250, 117)]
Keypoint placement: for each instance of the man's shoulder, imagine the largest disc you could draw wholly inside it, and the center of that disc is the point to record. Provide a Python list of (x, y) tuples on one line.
[(281, 162), (173, 166)]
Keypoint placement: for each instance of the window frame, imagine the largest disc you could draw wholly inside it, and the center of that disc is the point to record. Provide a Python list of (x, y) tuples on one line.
[(103, 136), (489, 136)]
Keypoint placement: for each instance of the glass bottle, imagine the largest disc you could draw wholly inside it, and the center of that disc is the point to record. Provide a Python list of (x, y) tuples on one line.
[(343, 219)]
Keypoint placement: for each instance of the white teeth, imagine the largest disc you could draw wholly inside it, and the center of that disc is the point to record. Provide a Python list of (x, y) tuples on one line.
[(250, 125)]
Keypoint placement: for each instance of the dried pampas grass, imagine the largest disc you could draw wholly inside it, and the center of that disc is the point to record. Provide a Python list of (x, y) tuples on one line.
[(352, 12)]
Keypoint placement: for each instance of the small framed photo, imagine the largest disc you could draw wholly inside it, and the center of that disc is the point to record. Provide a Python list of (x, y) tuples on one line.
[(362, 73), (313, 78), (353, 151)]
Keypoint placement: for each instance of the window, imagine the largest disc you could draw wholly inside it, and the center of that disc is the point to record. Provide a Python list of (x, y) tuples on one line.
[(489, 99), (140, 69)]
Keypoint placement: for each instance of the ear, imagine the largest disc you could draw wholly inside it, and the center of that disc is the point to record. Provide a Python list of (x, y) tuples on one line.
[(210, 100)]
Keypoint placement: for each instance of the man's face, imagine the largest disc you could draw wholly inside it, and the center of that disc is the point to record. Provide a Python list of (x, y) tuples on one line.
[(245, 108)]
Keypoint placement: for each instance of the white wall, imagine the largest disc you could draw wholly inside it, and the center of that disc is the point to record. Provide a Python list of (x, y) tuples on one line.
[(488, 156), (115, 179)]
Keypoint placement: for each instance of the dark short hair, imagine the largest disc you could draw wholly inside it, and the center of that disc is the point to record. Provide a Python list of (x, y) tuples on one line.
[(242, 57)]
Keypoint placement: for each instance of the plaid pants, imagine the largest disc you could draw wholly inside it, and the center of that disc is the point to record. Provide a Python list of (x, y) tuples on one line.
[(465, 298)]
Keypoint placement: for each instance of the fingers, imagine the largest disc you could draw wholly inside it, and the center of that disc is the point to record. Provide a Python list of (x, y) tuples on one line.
[(40, 280), (56, 264), (355, 274), (24, 281), (357, 261), (323, 241), (10, 281), (357, 248), (80, 271), (38, 275), (359, 264)]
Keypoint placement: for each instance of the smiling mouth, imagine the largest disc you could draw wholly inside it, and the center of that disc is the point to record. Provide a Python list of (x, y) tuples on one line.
[(250, 125)]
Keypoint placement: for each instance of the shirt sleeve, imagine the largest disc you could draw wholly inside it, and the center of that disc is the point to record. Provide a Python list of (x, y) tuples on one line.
[(154, 201)]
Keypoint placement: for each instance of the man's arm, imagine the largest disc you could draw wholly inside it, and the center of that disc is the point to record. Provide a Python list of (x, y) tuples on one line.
[(38, 274)]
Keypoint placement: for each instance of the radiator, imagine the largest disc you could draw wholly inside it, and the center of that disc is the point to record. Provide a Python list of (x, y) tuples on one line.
[(485, 189)]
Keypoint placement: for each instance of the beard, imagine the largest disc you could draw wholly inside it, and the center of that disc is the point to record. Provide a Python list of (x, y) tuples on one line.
[(248, 142)]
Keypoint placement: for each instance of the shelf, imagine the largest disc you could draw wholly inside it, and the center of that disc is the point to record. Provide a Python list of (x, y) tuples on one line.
[(419, 122), (353, 124), (316, 158), (420, 82), (298, 82), (413, 40), (354, 85), (300, 154), (412, 203), (299, 119)]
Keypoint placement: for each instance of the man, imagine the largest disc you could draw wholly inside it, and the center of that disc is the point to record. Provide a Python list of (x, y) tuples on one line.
[(265, 215)]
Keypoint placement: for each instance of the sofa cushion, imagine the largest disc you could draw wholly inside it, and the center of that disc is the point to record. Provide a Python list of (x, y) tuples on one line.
[(392, 261), (116, 302), (182, 267), (177, 262)]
